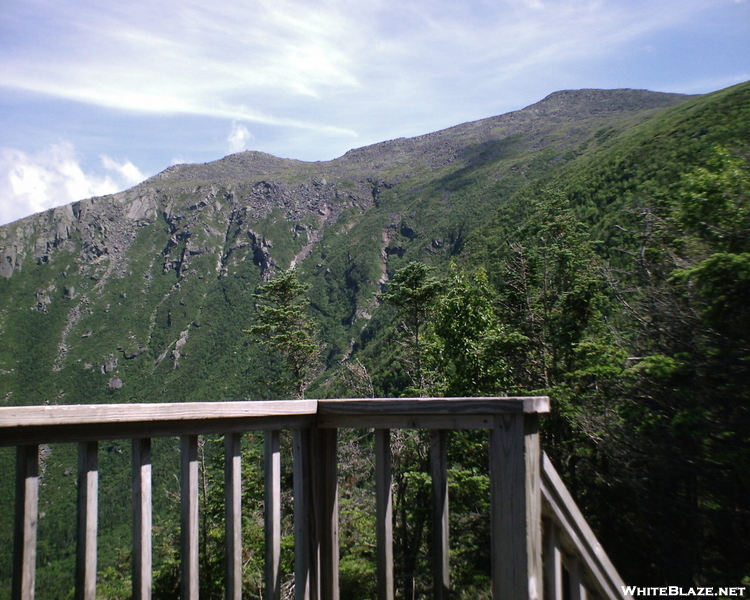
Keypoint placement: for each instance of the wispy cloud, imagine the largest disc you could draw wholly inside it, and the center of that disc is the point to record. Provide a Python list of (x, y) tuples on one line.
[(54, 177), (312, 79), (238, 137), (183, 57), (258, 62)]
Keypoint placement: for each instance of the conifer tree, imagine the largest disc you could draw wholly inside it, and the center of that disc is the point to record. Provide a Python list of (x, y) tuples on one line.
[(414, 291), (283, 325)]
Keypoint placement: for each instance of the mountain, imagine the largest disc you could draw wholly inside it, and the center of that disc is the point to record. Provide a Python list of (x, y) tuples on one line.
[(600, 237), (120, 298)]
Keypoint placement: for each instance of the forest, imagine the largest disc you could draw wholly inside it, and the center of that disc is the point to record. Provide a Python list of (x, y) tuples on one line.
[(614, 280)]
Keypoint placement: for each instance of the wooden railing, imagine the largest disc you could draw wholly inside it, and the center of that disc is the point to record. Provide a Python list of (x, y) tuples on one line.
[(527, 496)]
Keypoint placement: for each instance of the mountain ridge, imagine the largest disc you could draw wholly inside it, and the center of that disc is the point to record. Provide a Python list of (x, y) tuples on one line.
[(374, 166)]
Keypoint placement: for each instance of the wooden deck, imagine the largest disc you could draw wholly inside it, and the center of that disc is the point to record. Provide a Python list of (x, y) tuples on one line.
[(537, 531)]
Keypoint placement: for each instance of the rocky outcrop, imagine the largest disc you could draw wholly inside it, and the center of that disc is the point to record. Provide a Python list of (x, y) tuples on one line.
[(94, 229)]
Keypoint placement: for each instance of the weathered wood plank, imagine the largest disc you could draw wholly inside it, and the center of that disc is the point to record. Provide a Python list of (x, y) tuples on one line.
[(516, 552), (41, 424), (384, 513), (553, 567), (272, 460), (38, 416), (233, 515), (316, 543), (577, 588), (14, 416), (303, 559), (142, 519), (405, 421), (88, 500), (434, 406), (326, 502), (440, 526), (26, 519), (138, 429), (189, 516)]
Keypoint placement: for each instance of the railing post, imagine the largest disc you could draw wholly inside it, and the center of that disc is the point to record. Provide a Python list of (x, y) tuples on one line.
[(440, 520), (189, 516), (233, 515), (272, 460), (316, 537), (577, 589), (303, 579), (328, 523), (384, 513), (88, 493), (142, 519), (516, 552), (553, 567), (26, 518)]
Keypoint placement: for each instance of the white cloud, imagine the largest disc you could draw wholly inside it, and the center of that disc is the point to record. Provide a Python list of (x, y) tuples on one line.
[(262, 62), (238, 137), (313, 79), (224, 60), (128, 173), (31, 183)]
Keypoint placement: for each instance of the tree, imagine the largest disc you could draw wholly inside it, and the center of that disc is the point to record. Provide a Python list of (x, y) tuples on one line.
[(413, 290), (478, 355), (283, 325), (550, 287)]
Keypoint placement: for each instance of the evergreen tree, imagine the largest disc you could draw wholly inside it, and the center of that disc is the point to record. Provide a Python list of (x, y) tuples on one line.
[(283, 325), (477, 354), (413, 290)]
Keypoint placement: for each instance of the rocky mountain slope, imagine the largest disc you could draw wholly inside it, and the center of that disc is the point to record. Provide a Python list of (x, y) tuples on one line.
[(125, 289)]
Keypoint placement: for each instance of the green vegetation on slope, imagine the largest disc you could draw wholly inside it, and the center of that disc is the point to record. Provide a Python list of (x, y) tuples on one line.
[(598, 257)]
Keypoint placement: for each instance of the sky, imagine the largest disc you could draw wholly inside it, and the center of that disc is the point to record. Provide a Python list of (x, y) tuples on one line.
[(96, 95)]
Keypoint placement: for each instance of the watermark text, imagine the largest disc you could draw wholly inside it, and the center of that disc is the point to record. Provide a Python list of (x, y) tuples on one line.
[(673, 590)]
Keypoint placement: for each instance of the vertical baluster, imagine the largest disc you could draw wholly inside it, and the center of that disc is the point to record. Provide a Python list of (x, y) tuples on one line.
[(142, 519), (303, 582), (553, 567), (577, 589), (440, 523), (515, 507), (384, 513), (189, 516), (233, 515), (272, 459), (327, 525), (88, 483), (26, 518)]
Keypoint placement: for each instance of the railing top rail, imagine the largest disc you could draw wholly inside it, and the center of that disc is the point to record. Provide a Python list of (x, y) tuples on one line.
[(435, 406), (94, 414), (58, 423)]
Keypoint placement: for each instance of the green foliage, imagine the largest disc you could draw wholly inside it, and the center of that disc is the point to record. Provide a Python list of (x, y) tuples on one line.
[(715, 201), (283, 325), (413, 291), (550, 286), (477, 353)]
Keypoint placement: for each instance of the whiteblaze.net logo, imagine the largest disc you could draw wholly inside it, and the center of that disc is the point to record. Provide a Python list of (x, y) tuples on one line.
[(673, 590)]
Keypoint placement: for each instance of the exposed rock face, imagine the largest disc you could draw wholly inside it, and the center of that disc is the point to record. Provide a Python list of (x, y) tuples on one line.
[(250, 186), (96, 229), (148, 284)]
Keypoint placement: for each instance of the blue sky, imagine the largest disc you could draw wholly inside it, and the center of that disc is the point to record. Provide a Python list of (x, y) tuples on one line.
[(96, 95)]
